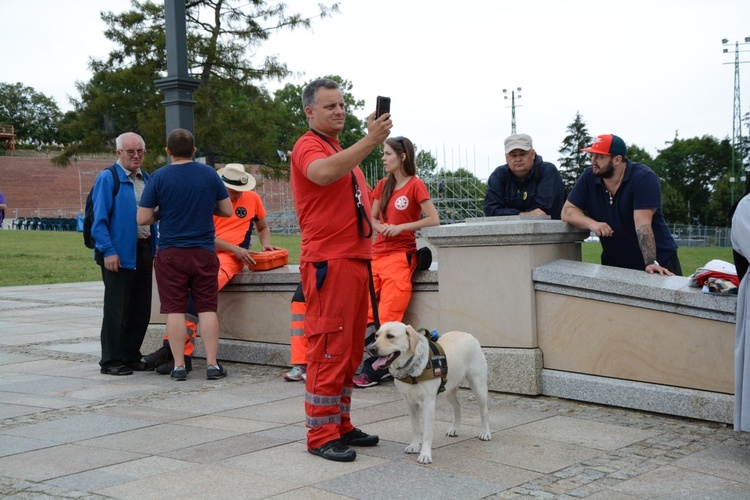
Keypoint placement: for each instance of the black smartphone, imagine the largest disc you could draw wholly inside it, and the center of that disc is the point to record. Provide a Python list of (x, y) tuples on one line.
[(383, 106)]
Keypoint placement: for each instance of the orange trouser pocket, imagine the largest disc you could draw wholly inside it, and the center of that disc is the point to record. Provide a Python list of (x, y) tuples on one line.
[(325, 343)]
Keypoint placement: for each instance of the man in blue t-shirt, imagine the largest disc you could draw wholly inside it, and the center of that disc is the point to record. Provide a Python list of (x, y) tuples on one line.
[(184, 196), (620, 202)]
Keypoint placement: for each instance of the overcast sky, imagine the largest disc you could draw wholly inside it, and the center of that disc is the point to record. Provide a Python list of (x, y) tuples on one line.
[(639, 69)]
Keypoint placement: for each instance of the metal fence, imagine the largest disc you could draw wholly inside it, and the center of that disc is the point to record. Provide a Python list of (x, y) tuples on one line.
[(701, 236)]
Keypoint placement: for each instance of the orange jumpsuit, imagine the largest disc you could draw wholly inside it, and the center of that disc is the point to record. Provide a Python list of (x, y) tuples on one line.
[(333, 267)]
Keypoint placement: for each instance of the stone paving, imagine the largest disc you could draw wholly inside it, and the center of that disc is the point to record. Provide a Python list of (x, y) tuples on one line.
[(66, 431)]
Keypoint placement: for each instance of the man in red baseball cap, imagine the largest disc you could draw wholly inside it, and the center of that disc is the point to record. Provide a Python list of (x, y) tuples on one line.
[(620, 202)]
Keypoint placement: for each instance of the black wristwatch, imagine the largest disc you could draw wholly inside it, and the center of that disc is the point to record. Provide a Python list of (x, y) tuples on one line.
[(653, 263)]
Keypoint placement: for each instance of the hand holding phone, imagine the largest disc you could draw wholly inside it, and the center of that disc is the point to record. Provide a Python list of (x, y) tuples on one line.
[(383, 106)]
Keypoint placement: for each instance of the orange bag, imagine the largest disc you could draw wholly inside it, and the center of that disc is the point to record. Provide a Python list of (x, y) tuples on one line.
[(270, 259)]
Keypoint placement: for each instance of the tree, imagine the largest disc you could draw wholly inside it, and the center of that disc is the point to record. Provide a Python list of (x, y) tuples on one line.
[(426, 164), (638, 155), (32, 114), (573, 161), (692, 168), (721, 200), (222, 34), (290, 121)]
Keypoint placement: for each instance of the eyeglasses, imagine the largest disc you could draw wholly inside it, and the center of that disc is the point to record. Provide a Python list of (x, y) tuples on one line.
[(132, 152)]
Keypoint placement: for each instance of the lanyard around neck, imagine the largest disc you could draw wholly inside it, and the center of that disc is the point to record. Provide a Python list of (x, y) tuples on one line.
[(363, 218)]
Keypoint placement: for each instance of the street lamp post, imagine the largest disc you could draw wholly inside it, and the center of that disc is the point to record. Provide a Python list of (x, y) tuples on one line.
[(737, 143), (512, 106), (178, 85)]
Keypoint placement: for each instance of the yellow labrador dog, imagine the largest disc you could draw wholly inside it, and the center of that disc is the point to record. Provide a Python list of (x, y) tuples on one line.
[(405, 352)]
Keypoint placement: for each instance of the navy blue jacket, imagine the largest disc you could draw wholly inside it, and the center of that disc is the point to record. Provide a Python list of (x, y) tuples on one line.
[(541, 188)]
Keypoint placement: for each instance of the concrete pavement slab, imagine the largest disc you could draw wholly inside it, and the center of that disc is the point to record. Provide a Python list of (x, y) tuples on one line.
[(729, 462), (146, 436), (200, 481), (40, 402), (156, 439), (466, 464), (228, 423), (407, 481), (214, 451), (528, 452), (128, 409), (292, 461), (58, 461), (585, 433), (74, 428), (285, 411), (669, 482), (13, 445), (113, 475), (309, 493)]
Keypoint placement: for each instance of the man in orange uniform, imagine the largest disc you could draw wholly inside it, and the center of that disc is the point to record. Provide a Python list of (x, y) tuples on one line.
[(297, 340), (232, 243), (336, 246)]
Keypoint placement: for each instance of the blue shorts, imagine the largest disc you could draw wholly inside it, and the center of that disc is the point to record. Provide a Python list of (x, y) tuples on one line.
[(183, 270)]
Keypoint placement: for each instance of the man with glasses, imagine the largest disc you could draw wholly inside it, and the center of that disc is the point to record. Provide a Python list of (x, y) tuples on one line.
[(620, 202), (125, 251), (525, 185)]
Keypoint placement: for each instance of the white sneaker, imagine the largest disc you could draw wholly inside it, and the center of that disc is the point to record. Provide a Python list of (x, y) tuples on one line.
[(298, 372)]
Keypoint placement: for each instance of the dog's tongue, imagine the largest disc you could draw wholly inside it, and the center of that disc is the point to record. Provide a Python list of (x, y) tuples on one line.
[(380, 362)]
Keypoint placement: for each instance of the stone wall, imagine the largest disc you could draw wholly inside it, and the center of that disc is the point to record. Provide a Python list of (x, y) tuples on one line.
[(548, 323)]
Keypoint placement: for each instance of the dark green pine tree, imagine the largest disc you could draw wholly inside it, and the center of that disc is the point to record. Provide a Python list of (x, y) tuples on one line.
[(573, 161)]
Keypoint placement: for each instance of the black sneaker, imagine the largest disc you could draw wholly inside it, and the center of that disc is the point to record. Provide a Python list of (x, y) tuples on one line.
[(215, 372), (335, 450), (158, 357), (357, 437), (179, 373), (140, 366)]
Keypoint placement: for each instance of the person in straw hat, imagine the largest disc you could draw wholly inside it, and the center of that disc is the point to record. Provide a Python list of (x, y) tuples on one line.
[(232, 241)]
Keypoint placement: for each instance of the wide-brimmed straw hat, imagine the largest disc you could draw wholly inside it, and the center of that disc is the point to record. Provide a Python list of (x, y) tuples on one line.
[(235, 177)]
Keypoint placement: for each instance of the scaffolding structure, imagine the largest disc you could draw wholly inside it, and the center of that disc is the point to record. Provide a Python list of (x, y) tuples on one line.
[(455, 198)]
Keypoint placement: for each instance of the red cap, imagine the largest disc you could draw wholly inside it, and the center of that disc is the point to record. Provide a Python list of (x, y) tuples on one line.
[(607, 144)]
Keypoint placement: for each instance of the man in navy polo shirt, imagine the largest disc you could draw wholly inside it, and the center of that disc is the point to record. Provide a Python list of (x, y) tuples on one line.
[(620, 202)]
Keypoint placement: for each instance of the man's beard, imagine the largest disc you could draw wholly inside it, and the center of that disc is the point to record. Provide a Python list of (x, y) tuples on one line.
[(607, 171)]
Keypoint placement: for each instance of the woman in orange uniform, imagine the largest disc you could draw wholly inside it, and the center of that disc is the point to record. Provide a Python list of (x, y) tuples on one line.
[(399, 201)]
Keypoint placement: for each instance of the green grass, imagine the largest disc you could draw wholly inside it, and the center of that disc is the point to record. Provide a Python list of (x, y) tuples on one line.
[(45, 257), (691, 258)]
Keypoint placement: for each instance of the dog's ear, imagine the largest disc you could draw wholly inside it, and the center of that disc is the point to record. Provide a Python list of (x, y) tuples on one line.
[(413, 336)]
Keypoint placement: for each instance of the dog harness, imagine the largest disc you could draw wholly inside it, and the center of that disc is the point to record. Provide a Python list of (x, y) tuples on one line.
[(437, 367)]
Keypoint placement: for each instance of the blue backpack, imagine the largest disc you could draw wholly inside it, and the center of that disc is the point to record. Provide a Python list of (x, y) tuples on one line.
[(88, 212)]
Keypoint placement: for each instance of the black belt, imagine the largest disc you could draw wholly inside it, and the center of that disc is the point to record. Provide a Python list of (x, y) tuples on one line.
[(144, 241)]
